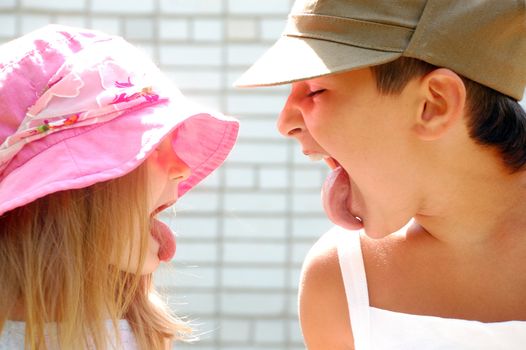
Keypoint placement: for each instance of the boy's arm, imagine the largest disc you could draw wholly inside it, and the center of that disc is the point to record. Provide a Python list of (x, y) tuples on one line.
[(323, 309)]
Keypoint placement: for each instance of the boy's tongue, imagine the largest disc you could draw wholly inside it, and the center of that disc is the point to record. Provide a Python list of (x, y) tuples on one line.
[(162, 233), (336, 197)]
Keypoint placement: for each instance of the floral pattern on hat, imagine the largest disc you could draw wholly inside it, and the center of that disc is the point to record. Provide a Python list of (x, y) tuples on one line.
[(80, 97)]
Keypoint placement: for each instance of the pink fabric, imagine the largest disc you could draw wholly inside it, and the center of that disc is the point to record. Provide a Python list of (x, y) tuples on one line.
[(86, 90), (123, 108)]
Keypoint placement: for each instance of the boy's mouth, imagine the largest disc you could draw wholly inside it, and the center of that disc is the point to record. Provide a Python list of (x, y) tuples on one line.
[(337, 195), (163, 235)]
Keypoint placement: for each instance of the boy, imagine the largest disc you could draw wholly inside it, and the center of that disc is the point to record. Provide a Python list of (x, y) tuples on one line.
[(414, 106)]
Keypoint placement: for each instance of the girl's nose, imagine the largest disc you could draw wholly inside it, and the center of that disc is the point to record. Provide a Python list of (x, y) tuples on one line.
[(179, 170), (168, 159)]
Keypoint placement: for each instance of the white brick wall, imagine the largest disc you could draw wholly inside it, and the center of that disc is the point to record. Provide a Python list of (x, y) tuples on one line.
[(208, 30), (252, 7), (110, 25), (7, 4), (192, 7), (55, 5), (8, 26), (259, 152), (241, 29), (243, 233), (120, 7), (191, 55)]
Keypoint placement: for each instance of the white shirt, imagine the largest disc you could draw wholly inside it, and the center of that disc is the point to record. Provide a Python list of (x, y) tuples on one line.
[(379, 329), (12, 336)]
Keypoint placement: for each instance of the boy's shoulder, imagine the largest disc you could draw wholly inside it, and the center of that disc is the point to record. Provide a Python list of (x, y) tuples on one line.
[(323, 255), (323, 305), (322, 260)]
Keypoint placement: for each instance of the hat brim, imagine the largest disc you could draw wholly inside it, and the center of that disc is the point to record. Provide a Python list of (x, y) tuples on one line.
[(79, 157), (293, 59)]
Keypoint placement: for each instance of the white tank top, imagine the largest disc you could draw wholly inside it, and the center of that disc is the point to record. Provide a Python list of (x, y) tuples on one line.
[(378, 329), (12, 336)]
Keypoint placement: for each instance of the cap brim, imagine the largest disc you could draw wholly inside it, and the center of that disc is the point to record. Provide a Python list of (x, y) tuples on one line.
[(292, 59), (79, 157)]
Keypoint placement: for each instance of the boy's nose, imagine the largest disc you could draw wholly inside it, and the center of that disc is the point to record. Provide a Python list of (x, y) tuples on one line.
[(290, 121)]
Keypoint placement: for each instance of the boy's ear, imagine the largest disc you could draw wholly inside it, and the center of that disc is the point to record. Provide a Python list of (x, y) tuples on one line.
[(443, 99)]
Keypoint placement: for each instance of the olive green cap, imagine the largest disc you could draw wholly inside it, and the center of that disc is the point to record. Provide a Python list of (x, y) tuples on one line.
[(483, 40)]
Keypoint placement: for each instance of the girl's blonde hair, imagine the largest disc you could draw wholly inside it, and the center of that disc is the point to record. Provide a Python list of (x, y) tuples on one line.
[(56, 257)]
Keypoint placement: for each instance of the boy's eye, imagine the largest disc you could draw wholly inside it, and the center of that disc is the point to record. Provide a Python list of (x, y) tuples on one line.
[(315, 92)]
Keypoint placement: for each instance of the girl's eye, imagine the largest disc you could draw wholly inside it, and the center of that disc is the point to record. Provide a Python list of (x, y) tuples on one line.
[(315, 92)]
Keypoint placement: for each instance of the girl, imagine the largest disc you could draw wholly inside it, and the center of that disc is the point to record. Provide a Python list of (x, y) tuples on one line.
[(95, 142)]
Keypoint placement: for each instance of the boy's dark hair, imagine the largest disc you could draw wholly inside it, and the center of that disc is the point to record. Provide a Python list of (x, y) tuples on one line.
[(495, 119)]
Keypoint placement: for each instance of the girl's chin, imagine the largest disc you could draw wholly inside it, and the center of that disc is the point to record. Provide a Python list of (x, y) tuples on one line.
[(150, 267)]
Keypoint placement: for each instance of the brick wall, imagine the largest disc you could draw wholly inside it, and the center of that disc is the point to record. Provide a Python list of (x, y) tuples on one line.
[(243, 234)]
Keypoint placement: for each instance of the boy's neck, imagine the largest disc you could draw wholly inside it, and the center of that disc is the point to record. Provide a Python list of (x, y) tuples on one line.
[(476, 204)]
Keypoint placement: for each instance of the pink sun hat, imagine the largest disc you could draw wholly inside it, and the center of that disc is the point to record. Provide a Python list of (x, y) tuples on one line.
[(79, 107)]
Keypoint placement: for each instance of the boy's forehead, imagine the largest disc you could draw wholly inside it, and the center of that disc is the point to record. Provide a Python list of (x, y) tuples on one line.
[(353, 76)]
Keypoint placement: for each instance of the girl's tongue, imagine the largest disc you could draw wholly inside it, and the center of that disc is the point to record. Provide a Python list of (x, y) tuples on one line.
[(162, 233), (336, 197)]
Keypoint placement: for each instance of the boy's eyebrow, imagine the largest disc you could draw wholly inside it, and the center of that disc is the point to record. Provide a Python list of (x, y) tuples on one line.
[(323, 80)]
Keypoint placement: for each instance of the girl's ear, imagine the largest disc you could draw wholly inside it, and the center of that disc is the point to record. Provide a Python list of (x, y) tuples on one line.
[(443, 101)]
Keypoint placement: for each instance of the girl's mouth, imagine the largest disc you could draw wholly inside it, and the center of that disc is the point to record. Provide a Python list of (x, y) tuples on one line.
[(163, 235)]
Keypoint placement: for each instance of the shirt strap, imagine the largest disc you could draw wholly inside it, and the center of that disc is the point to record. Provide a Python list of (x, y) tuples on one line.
[(355, 282)]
